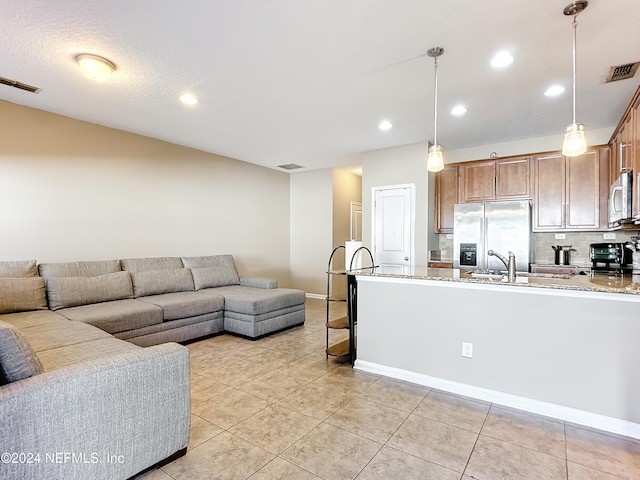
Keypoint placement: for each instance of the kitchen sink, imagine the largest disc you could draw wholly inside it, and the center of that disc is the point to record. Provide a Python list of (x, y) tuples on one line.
[(499, 275)]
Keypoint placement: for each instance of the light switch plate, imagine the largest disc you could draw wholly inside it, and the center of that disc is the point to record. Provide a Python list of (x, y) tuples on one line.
[(560, 236), (609, 236)]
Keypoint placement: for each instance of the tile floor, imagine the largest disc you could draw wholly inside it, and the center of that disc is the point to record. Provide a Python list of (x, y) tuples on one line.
[(277, 409)]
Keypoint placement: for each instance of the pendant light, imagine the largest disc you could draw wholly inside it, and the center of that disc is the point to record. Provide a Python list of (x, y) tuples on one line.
[(574, 141), (435, 162)]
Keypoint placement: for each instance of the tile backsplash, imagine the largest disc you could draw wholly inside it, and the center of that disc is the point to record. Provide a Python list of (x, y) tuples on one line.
[(542, 242)]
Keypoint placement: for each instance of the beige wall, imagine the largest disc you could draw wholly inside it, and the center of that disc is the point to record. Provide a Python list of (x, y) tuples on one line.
[(395, 166), (71, 190), (320, 220), (311, 228)]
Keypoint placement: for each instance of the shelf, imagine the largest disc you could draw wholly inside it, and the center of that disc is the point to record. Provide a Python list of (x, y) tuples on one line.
[(337, 272), (342, 322), (337, 298), (339, 349)]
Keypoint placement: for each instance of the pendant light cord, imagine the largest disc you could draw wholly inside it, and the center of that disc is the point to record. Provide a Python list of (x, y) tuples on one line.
[(575, 29), (435, 102)]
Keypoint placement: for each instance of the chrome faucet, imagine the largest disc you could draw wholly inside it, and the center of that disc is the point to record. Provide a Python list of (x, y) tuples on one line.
[(510, 264)]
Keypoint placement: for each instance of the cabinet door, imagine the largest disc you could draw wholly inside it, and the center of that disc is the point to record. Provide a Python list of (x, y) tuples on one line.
[(513, 178), (446, 196), (583, 191), (478, 181), (548, 192), (636, 156)]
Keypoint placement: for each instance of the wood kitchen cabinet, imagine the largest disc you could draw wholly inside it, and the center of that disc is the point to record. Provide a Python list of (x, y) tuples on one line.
[(500, 179), (446, 195), (570, 193), (625, 147)]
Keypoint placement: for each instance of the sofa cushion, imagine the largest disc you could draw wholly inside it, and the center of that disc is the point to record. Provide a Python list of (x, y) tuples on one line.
[(31, 318), (22, 294), (116, 316), (90, 268), (65, 292), (209, 277), (59, 333), (81, 352), (259, 282), (156, 282), (223, 270), (186, 304), (17, 358), (152, 263), (255, 301), (18, 269)]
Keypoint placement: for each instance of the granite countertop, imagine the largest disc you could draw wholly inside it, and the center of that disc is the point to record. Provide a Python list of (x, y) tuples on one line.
[(594, 282)]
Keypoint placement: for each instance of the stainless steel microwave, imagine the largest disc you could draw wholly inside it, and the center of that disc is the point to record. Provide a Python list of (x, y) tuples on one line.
[(620, 207)]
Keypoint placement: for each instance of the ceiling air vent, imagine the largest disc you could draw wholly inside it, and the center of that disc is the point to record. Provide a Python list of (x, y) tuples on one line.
[(290, 166), (20, 85), (622, 72)]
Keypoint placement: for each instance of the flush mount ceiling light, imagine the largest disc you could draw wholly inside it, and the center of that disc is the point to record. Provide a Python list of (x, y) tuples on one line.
[(188, 99), (385, 125), (458, 110), (95, 67), (435, 162), (554, 90), (574, 141), (501, 59)]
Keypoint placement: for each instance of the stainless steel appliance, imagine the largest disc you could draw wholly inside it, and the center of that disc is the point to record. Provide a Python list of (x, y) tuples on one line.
[(610, 257), (500, 226), (620, 199)]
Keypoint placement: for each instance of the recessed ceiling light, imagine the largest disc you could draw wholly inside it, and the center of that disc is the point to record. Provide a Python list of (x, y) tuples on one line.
[(188, 99), (385, 125), (95, 67), (458, 110), (554, 90), (501, 59)]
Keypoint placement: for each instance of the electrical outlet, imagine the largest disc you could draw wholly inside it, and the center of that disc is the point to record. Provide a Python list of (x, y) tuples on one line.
[(560, 236), (449, 236), (609, 236), (467, 350)]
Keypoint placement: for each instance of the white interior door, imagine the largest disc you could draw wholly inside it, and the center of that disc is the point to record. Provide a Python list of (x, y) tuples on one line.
[(356, 221), (393, 227)]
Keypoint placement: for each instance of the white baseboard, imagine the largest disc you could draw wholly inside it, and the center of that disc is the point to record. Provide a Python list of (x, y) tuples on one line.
[(319, 296), (581, 417)]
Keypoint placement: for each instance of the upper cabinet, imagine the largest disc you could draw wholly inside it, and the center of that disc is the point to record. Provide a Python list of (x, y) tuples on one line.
[(446, 195), (500, 179), (625, 148), (570, 193)]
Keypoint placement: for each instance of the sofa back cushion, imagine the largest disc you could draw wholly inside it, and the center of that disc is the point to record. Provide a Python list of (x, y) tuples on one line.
[(22, 294), (64, 292), (79, 269), (18, 269), (212, 271), (148, 264), (156, 282), (17, 358)]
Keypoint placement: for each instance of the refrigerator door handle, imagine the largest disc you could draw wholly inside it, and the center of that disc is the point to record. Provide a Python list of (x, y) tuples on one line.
[(484, 227)]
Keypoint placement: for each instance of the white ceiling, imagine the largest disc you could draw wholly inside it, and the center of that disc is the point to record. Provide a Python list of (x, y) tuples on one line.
[(308, 81)]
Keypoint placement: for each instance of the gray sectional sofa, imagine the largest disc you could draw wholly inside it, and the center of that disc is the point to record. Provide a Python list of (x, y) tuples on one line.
[(78, 401)]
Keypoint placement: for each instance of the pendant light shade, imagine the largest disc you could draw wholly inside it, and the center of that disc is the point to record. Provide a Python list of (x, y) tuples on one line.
[(435, 161), (575, 142)]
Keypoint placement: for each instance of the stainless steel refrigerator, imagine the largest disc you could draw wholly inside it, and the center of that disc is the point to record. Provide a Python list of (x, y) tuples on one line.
[(499, 226)]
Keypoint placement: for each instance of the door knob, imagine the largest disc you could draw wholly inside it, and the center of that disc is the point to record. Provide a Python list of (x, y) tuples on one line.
[(406, 259)]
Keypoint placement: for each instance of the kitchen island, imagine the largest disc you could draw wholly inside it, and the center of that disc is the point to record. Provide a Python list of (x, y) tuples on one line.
[(563, 346)]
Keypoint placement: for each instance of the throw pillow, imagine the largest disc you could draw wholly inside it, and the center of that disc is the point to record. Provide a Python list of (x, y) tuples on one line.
[(67, 292), (17, 358), (22, 294), (18, 269)]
